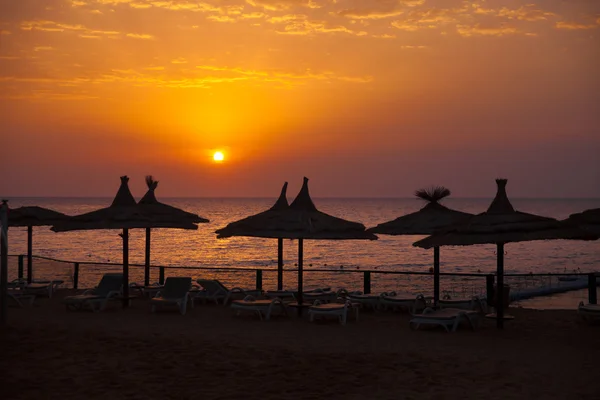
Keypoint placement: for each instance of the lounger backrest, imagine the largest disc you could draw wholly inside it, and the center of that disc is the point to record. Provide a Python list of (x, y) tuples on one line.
[(109, 283), (176, 287), (212, 286)]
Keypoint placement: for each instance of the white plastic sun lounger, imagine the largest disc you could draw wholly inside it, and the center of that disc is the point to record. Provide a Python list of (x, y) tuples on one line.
[(474, 303), (213, 290), (260, 307), (589, 312), (404, 301), (449, 318), (97, 299), (339, 310), (175, 293)]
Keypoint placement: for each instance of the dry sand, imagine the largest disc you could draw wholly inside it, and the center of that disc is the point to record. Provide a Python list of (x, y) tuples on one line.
[(49, 353)]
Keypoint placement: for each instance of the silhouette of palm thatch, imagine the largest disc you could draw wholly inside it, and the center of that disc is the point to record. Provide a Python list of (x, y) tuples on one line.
[(499, 225), (426, 221), (588, 220)]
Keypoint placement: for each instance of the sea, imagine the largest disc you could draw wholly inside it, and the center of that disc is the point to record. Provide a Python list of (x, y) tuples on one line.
[(96, 250)]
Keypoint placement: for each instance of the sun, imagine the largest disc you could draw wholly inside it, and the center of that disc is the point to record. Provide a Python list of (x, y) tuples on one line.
[(218, 156)]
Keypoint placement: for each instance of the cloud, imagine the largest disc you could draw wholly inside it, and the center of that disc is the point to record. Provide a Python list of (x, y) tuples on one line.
[(478, 30), (426, 19), (380, 9), (314, 27), (179, 60), (51, 26), (142, 36), (43, 48), (278, 5), (572, 26), (221, 18), (4, 32), (528, 12)]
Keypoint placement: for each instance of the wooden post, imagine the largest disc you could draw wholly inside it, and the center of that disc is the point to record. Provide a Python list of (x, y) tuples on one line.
[(4, 263), (125, 268), (147, 263), (259, 279), (436, 275), (489, 286), (161, 276), (76, 275), (367, 282), (300, 273), (592, 294), (280, 264), (20, 265), (29, 254), (500, 287)]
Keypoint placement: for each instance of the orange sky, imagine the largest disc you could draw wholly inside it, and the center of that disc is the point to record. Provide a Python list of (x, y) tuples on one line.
[(367, 98)]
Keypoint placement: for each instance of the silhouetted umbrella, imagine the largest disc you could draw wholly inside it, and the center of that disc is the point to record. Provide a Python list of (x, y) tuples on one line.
[(426, 221), (31, 216), (160, 212), (123, 214), (301, 220), (588, 220), (499, 225), (256, 225)]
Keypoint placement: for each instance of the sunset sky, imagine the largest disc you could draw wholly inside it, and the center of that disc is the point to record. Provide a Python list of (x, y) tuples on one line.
[(367, 98)]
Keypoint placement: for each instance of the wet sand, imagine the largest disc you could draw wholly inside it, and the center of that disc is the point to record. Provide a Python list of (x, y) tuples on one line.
[(49, 353)]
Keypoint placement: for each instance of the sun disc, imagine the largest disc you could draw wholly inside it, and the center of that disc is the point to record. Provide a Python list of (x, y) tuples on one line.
[(218, 156)]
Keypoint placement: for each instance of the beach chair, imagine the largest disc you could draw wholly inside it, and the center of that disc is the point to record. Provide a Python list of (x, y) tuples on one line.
[(96, 299), (261, 307), (213, 290), (589, 312), (174, 293), (404, 301), (339, 310), (449, 318), (19, 298), (474, 303)]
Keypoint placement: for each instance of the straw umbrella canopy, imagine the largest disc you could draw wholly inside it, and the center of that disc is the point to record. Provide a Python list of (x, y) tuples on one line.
[(426, 221), (31, 216), (160, 212), (588, 220), (499, 225), (259, 225), (123, 213), (301, 220)]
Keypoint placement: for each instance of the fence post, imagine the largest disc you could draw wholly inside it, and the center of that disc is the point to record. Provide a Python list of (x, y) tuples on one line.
[(592, 295), (259, 279), (489, 288), (367, 282), (76, 276), (161, 275), (20, 272)]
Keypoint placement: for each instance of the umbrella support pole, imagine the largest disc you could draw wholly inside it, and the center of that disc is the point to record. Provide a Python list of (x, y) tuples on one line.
[(125, 235), (300, 273), (3, 264), (500, 287), (147, 261), (436, 276), (29, 254), (280, 264)]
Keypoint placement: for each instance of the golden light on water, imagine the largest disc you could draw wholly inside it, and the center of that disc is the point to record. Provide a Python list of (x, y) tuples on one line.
[(218, 156)]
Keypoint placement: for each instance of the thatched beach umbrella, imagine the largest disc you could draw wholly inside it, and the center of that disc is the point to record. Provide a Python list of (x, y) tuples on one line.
[(588, 220), (160, 212), (31, 216), (426, 221), (499, 225), (260, 225), (301, 220), (123, 214)]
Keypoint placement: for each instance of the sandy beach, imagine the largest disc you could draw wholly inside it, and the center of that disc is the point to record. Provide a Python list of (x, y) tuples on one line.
[(210, 353)]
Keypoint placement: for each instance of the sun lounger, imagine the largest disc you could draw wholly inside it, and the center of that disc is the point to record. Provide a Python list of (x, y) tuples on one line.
[(213, 290), (474, 303), (261, 307), (449, 318), (404, 301), (339, 310), (366, 300), (96, 299), (175, 293), (19, 298), (589, 312)]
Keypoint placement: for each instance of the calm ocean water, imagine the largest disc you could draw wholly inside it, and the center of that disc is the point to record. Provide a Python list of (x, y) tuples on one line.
[(201, 248)]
